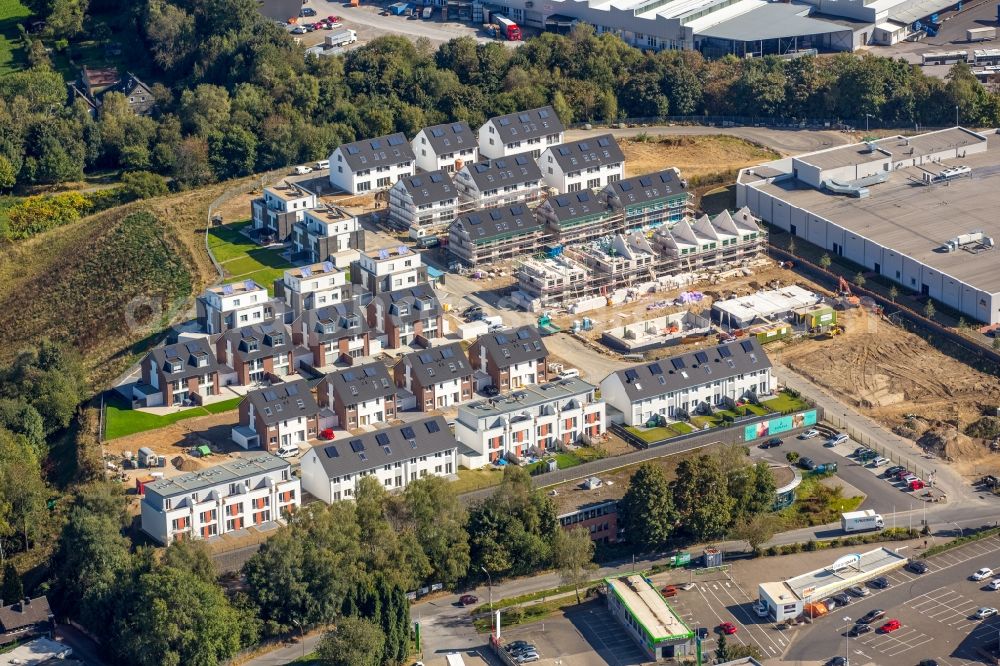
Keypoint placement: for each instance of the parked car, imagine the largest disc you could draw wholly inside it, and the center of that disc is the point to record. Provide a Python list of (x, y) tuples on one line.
[(902, 474), (728, 628), (995, 584), (871, 616), (836, 439), (519, 645), (841, 599), (983, 574), (918, 567), (491, 391), (861, 450), (771, 443), (837, 661), (468, 599), (300, 30), (807, 463), (928, 662), (859, 630), (288, 450), (878, 462), (326, 433), (893, 471), (890, 626), (880, 583), (809, 434), (428, 242), (301, 170), (916, 484), (859, 591), (985, 612), (527, 658), (308, 11), (669, 591), (830, 603)]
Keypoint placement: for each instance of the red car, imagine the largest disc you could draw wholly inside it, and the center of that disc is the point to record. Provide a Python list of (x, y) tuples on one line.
[(889, 627), (468, 599), (903, 474), (333, 19), (326, 433), (728, 628)]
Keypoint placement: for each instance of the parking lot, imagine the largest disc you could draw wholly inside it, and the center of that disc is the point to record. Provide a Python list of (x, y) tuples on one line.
[(936, 612)]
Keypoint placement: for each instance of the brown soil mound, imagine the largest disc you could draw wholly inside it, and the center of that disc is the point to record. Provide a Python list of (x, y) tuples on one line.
[(948, 442), (186, 464)]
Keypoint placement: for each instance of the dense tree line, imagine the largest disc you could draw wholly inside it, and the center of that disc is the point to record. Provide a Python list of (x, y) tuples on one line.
[(711, 496), (235, 94)]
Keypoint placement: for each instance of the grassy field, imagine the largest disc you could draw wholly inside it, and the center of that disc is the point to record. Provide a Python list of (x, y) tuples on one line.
[(120, 420), (785, 403), (817, 503), (243, 260), (12, 12), (695, 156), (474, 479)]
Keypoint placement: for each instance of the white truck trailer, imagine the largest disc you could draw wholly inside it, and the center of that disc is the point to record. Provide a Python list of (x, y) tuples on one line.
[(861, 521), (980, 34), (341, 38)]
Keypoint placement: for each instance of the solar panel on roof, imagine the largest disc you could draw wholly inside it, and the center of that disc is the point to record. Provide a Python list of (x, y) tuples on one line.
[(327, 266), (353, 150), (584, 145), (701, 357), (523, 334), (447, 352), (426, 358), (349, 376), (458, 128), (563, 150), (724, 352), (369, 372), (331, 451), (645, 181), (521, 160), (583, 197), (249, 285), (382, 439), (292, 389), (678, 363), (747, 346), (517, 209), (524, 118), (306, 271), (396, 140), (437, 132), (436, 177), (375, 144), (474, 219), (625, 186), (417, 181), (603, 143), (407, 432), (631, 375), (542, 113), (357, 445), (504, 122), (501, 339), (270, 396), (227, 290), (433, 427), (655, 368)]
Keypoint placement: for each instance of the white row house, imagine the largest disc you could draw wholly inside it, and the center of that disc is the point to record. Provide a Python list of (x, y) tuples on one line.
[(311, 287), (500, 181), (445, 147), (396, 456), (233, 305), (371, 164), (535, 419), (589, 164), (235, 495), (684, 384), (529, 131), (424, 203)]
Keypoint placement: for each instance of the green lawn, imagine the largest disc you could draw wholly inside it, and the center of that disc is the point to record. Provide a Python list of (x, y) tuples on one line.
[(661, 433), (474, 479), (120, 421), (785, 403), (242, 260), (12, 12), (817, 503)]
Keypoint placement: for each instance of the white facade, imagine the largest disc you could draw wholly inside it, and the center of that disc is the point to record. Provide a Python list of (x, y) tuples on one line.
[(522, 374), (394, 476), (279, 200), (430, 160), (314, 286), (225, 498), (420, 219), (582, 178), (394, 269), (326, 224), (369, 412), (496, 194), (511, 426), (247, 300), (713, 392), (359, 181), (294, 430), (492, 146)]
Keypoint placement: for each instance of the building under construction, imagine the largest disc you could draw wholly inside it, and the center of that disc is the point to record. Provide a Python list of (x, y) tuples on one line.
[(630, 261)]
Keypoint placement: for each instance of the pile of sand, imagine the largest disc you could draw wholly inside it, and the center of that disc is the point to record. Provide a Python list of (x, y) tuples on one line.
[(185, 464), (946, 441)]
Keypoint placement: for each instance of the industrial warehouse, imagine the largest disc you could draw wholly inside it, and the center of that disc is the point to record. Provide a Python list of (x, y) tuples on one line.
[(920, 211)]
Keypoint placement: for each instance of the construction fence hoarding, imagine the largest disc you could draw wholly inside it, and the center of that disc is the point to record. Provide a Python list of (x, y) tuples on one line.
[(779, 425)]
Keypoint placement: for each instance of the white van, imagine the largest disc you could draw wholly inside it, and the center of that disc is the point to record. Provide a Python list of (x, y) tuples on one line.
[(569, 373), (302, 170), (288, 450), (323, 164)]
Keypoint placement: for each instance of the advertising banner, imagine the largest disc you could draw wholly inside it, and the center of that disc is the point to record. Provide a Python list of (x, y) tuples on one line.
[(779, 425)]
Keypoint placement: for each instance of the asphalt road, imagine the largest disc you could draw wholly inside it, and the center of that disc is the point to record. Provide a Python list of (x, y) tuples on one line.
[(369, 24), (785, 141)]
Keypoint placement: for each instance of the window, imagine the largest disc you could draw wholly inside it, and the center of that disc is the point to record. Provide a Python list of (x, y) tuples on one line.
[(574, 187)]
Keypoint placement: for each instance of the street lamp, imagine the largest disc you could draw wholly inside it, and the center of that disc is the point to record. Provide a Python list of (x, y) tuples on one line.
[(961, 530), (302, 635), (867, 116), (489, 582), (956, 115), (847, 657)]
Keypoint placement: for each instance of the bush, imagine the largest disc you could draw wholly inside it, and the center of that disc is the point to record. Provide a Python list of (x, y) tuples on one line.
[(811, 545), (987, 427), (41, 213), (771, 551)]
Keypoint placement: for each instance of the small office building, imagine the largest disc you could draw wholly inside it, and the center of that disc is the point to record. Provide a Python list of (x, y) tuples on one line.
[(648, 618)]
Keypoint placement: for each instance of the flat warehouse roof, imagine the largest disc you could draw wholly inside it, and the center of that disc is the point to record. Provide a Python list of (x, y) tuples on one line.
[(771, 21), (648, 608), (848, 570), (914, 219), (925, 144)]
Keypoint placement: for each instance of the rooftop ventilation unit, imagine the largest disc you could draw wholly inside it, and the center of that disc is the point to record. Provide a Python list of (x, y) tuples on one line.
[(974, 242)]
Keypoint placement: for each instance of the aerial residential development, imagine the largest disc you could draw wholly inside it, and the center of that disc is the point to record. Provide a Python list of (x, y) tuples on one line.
[(594, 333)]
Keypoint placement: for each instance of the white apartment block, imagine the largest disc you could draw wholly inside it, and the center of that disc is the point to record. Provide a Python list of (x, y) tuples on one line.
[(529, 131), (275, 213), (680, 385), (590, 164), (235, 495), (325, 232), (371, 164), (539, 418), (424, 203), (500, 181), (396, 456), (233, 305), (445, 147), (311, 287), (388, 270)]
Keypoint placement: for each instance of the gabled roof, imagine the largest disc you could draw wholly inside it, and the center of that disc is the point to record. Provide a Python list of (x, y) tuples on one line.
[(380, 151), (504, 172), (334, 322), (586, 153), (20, 614), (489, 223), (428, 188), (129, 83), (283, 401), (449, 137), (404, 306), (566, 208), (438, 364), (529, 124), (361, 383), (384, 447), (645, 189), (187, 354), (514, 345), (259, 340), (691, 369)]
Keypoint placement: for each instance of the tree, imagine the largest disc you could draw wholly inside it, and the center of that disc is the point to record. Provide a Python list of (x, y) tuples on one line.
[(232, 152), (929, 309), (573, 555), (756, 529), (12, 590), (859, 279), (21, 418), (996, 343), (439, 518), (142, 185), (792, 457), (21, 487), (8, 175), (722, 648), (50, 378), (647, 511), (791, 245), (192, 557), (354, 642), (825, 261), (893, 293), (701, 497)]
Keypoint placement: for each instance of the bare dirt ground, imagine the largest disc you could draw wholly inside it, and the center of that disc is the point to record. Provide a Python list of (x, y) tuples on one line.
[(902, 381), (695, 156), (175, 439)]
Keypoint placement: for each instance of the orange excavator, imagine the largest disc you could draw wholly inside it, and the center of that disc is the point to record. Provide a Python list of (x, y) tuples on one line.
[(846, 294)]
